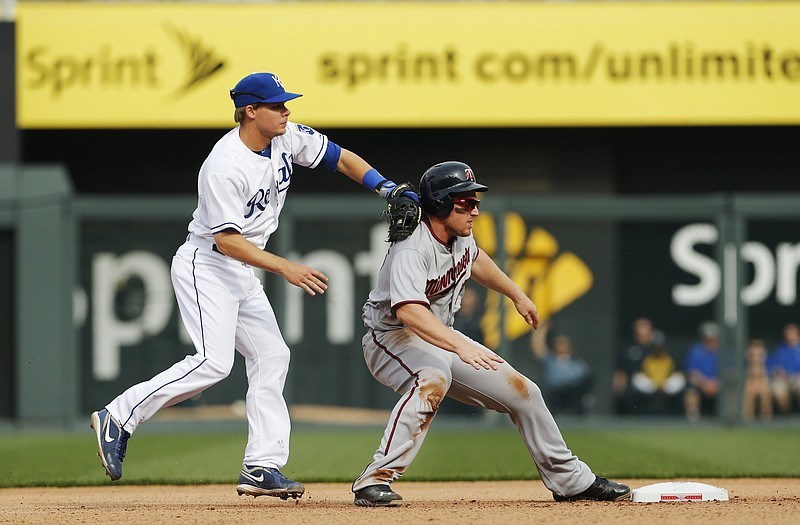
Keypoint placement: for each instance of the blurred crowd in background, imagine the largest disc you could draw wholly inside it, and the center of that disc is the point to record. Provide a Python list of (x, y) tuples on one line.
[(652, 379)]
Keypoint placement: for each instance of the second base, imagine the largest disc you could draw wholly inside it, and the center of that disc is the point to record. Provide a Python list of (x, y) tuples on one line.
[(679, 491)]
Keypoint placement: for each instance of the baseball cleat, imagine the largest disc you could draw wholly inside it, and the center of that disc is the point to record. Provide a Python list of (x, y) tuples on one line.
[(377, 496), (259, 481), (601, 490), (112, 442)]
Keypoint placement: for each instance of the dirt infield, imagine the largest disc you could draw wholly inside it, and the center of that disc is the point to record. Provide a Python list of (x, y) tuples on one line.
[(752, 501)]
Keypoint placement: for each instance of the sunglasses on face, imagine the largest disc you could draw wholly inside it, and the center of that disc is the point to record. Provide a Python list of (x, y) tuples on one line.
[(235, 94), (469, 203)]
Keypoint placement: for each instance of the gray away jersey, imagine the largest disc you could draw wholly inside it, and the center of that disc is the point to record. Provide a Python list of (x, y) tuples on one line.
[(421, 269)]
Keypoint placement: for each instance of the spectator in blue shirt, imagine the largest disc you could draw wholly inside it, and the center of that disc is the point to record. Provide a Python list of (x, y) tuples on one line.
[(784, 369), (702, 373), (567, 378)]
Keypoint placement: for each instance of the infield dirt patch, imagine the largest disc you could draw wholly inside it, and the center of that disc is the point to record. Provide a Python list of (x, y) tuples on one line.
[(752, 501)]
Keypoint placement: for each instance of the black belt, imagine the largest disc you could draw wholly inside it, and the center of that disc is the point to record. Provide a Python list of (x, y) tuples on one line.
[(201, 241)]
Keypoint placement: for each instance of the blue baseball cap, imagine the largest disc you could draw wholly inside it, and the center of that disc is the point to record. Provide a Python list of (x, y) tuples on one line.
[(264, 88)]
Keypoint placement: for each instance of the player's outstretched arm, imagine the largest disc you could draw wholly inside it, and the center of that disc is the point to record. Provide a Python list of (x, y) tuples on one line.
[(352, 165), (234, 245), (360, 171), (488, 274), (422, 322)]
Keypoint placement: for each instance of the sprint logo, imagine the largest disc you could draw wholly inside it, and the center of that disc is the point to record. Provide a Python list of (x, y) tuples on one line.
[(103, 67), (201, 60), (553, 280)]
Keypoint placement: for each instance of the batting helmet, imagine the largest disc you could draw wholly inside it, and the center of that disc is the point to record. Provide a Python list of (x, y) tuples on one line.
[(441, 181)]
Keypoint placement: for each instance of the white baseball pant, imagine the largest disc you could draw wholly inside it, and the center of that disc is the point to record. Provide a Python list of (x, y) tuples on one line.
[(223, 306)]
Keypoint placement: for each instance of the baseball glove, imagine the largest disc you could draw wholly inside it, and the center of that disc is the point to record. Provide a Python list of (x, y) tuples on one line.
[(402, 212)]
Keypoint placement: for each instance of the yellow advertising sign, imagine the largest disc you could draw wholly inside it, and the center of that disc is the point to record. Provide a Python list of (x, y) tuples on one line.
[(412, 64)]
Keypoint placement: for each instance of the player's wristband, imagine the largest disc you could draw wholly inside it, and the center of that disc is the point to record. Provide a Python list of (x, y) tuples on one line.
[(380, 185), (373, 180)]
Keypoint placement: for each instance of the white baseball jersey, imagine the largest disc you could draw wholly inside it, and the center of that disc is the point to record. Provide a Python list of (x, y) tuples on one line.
[(425, 270), (222, 302), (246, 192)]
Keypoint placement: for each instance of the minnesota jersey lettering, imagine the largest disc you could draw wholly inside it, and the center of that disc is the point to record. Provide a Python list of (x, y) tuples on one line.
[(436, 286)]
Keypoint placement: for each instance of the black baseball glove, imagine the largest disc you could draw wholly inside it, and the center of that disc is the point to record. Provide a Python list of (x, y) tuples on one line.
[(402, 211)]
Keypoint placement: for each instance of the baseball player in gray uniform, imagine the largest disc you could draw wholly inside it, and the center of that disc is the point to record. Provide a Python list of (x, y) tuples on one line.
[(411, 347), (242, 187)]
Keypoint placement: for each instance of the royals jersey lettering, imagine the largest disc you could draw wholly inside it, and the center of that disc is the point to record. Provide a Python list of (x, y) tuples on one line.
[(245, 191)]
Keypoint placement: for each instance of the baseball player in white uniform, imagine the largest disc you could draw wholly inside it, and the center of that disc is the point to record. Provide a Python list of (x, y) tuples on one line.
[(411, 347), (242, 187)]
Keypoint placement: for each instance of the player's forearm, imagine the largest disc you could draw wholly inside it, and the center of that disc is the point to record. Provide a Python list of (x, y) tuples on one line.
[(352, 165), (360, 171), (423, 323), (234, 245), (488, 274)]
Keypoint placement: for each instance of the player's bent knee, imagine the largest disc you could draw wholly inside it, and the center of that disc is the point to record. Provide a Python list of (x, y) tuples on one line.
[(435, 379), (433, 386), (219, 369), (534, 391), (523, 388), (283, 355)]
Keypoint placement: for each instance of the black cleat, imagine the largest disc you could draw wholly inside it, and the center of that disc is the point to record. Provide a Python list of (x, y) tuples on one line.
[(258, 481), (601, 490), (377, 496)]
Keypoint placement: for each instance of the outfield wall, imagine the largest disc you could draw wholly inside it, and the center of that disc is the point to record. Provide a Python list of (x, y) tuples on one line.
[(592, 264)]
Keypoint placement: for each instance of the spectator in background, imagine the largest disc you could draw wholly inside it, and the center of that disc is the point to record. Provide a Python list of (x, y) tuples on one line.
[(756, 386), (659, 384), (784, 369), (567, 379), (702, 372), (627, 400), (468, 319)]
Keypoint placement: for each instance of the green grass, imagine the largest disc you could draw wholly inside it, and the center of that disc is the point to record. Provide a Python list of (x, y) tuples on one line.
[(339, 455)]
